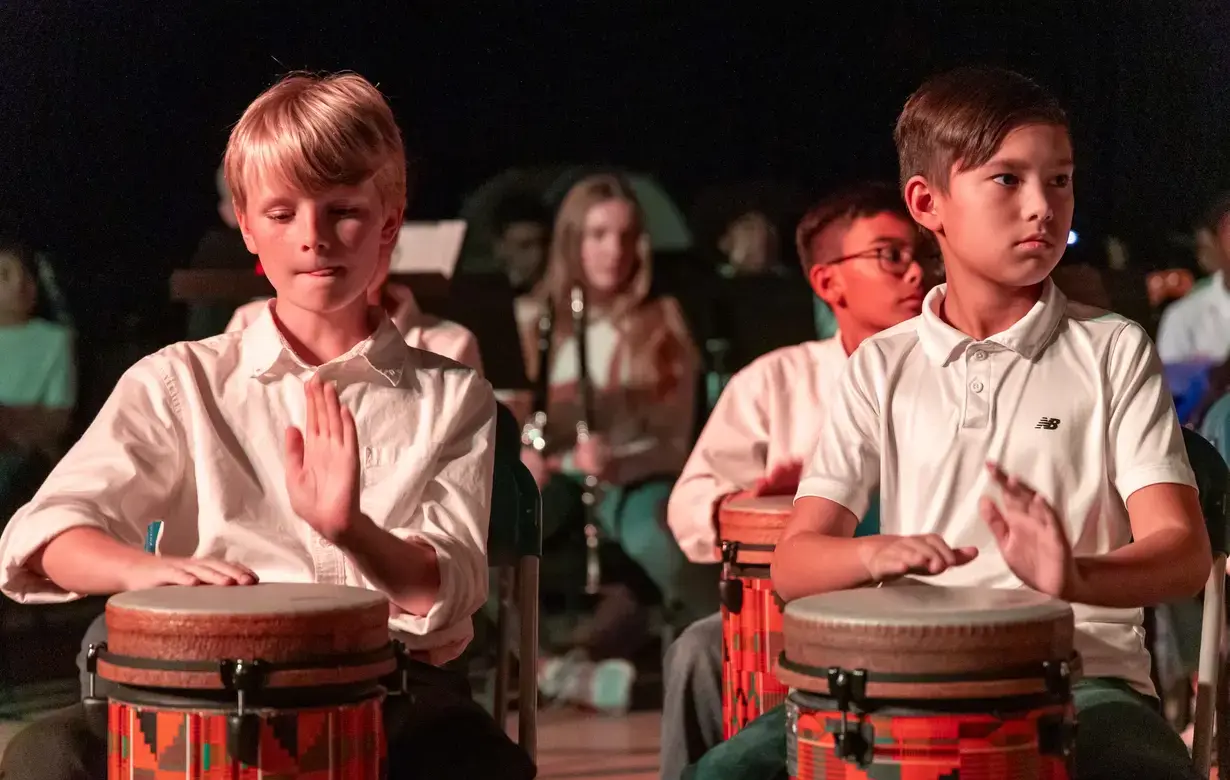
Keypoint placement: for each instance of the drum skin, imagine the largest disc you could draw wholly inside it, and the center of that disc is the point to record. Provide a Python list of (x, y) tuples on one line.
[(751, 627), (934, 683)]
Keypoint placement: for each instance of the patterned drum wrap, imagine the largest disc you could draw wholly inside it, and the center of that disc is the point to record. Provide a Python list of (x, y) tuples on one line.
[(946, 746), (751, 614), (916, 682), (320, 743)]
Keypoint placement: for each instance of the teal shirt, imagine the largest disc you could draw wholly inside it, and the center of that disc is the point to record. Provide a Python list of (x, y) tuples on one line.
[(37, 365), (1216, 426)]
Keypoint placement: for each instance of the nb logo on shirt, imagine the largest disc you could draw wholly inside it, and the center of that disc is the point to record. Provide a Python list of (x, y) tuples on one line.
[(1048, 423)]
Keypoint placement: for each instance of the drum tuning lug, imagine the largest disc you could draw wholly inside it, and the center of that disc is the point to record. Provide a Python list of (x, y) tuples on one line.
[(243, 735), (731, 593), (855, 743), (847, 686), (91, 663), (1058, 679), (1056, 735), (403, 665)]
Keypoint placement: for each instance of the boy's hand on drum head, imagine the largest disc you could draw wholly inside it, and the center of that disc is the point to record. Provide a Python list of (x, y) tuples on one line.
[(783, 480), (154, 572), (891, 557), (1030, 535), (322, 463)]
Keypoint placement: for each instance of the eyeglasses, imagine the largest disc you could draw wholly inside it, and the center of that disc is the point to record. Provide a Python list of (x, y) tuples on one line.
[(896, 259)]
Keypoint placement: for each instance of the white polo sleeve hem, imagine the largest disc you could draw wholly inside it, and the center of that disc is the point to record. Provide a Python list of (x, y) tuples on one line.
[(1177, 472), (852, 497)]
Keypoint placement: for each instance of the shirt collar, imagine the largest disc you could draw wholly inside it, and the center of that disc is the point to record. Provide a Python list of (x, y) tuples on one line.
[(1027, 337), (266, 353)]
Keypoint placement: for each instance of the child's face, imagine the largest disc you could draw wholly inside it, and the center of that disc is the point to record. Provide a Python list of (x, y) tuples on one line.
[(17, 289), (320, 252), (609, 246), (1007, 221), (877, 280)]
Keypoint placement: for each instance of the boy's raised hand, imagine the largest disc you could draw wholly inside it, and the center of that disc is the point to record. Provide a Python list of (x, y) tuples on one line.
[(1030, 535), (322, 463)]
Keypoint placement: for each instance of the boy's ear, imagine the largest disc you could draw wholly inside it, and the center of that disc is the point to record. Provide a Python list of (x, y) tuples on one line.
[(826, 283), (242, 220), (920, 199), (392, 225)]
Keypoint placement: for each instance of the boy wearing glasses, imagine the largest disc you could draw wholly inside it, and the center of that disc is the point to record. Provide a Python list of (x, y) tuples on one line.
[(859, 250)]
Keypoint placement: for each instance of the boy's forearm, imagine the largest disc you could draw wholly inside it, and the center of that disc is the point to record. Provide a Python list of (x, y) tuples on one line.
[(86, 560), (1168, 565), (407, 571), (810, 563)]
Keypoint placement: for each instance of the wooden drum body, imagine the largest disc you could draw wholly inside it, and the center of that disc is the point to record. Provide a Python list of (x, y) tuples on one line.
[(751, 613), (274, 680), (924, 683)]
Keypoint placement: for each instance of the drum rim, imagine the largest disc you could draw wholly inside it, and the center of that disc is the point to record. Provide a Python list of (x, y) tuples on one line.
[(221, 702), (765, 505), (994, 707), (132, 601), (849, 608)]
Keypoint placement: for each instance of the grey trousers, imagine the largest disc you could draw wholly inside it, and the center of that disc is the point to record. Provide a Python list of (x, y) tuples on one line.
[(692, 706)]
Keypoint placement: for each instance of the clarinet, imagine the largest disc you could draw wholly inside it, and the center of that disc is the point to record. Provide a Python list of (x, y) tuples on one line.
[(585, 391), (534, 433)]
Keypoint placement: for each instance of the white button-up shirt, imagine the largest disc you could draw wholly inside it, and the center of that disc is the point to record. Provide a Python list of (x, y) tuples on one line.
[(420, 330), (193, 435), (768, 416), (1070, 399)]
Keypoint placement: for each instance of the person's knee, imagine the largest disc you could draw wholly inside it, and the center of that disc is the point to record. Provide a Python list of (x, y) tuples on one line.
[(1128, 741), (699, 646), (59, 747)]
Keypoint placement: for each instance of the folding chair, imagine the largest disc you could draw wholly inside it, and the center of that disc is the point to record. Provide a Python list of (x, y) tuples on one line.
[(1213, 480), (514, 549)]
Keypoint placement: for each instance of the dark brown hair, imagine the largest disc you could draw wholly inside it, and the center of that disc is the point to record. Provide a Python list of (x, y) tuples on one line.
[(962, 117), (846, 205)]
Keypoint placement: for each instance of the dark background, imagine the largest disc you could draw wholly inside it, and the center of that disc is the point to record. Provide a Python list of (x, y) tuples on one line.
[(114, 113)]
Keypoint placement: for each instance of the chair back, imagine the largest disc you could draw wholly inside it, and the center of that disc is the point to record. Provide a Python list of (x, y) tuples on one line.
[(515, 530), (1213, 482)]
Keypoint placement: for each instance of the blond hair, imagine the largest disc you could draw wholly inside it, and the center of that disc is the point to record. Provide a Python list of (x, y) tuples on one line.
[(315, 132)]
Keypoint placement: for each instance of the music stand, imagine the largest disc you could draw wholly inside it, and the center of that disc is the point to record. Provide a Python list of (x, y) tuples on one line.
[(485, 303)]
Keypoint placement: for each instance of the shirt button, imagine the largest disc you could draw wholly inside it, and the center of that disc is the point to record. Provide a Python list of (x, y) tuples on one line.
[(976, 386), (980, 355)]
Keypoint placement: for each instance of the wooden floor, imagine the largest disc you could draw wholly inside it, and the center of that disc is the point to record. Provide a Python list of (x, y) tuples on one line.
[(571, 746)]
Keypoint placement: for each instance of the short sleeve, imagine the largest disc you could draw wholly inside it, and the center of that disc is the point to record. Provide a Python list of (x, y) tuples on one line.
[(1144, 441), (845, 467)]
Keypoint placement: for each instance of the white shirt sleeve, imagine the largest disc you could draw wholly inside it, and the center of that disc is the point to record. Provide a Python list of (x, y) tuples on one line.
[(122, 474), (845, 468), (1144, 439), (454, 508), (730, 455)]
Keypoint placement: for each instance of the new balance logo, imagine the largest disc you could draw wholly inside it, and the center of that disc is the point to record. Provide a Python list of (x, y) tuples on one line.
[(1048, 423)]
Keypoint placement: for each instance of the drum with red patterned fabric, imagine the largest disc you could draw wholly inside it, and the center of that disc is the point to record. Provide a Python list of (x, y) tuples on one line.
[(276, 680), (925, 683), (751, 614)]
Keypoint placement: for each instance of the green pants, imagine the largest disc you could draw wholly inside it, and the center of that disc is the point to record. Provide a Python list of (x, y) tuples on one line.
[(1120, 736)]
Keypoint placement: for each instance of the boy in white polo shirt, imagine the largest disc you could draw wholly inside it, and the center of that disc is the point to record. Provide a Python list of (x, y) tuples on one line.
[(1017, 439), (866, 259)]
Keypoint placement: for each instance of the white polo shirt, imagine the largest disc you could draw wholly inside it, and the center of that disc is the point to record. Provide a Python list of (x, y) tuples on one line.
[(1070, 399)]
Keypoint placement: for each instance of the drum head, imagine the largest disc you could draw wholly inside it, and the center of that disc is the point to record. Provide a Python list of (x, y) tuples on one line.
[(176, 637), (925, 634)]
